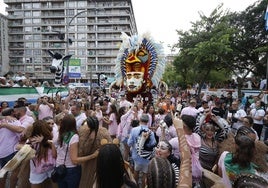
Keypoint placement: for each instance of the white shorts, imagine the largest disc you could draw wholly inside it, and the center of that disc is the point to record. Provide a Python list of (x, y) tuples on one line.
[(39, 178)]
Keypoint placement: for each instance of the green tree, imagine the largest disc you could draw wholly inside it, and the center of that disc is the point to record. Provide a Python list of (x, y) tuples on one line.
[(204, 47)]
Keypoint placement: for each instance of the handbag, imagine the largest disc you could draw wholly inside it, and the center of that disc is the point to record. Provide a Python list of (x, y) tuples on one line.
[(59, 172)]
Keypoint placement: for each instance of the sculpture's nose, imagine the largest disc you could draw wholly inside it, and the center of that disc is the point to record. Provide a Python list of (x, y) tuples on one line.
[(53, 69)]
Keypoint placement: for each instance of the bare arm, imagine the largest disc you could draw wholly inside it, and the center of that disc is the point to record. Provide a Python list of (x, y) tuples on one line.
[(185, 179), (17, 129), (78, 160)]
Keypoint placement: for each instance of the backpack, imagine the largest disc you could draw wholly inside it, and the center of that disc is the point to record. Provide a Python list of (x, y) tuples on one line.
[(142, 146)]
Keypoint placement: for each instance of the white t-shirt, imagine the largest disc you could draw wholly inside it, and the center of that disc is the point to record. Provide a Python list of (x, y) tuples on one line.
[(61, 151), (257, 113)]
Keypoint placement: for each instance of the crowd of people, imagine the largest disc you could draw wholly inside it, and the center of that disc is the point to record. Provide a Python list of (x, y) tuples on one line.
[(113, 142)]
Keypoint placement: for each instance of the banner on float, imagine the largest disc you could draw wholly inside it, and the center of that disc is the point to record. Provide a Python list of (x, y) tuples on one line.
[(75, 68)]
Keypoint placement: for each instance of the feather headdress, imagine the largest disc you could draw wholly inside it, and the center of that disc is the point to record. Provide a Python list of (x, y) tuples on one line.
[(134, 43)]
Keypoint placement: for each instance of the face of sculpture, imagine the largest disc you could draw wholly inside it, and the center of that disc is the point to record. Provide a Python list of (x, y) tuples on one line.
[(56, 65), (136, 67), (134, 81)]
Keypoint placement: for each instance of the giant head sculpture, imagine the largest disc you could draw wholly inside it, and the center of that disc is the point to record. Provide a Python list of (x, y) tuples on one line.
[(140, 63)]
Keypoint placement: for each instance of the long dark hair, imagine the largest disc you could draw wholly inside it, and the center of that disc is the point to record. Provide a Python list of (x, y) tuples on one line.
[(121, 112), (147, 111), (110, 168), (245, 151), (41, 127), (67, 125), (113, 109)]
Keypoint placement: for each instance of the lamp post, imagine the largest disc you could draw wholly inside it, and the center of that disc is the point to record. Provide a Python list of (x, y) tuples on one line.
[(69, 41)]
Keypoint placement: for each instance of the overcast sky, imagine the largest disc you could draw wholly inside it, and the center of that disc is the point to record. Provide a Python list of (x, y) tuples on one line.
[(163, 18)]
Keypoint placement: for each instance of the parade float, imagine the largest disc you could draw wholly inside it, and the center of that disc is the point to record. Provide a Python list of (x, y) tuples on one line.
[(140, 65)]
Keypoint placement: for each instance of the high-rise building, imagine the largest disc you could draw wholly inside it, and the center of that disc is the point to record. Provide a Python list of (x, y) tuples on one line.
[(4, 66), (88, 30)]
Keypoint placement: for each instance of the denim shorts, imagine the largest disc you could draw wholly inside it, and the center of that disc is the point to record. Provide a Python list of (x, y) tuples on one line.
[(72, 178), (3, 161)]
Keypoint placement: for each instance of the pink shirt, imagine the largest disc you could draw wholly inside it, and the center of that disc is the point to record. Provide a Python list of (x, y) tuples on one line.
[(124, 126), (170, 133), (26, 121), (8, 139), (44, 111), (112, 127), (99, 117)]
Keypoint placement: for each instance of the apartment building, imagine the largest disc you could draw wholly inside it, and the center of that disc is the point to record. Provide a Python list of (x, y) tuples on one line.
[(4, 66), (88, 30)]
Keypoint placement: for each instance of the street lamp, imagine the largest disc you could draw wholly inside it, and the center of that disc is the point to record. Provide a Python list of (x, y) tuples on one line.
[(69, 41)]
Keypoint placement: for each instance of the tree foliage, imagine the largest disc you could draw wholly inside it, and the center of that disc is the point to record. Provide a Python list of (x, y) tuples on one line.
[(223, 44)]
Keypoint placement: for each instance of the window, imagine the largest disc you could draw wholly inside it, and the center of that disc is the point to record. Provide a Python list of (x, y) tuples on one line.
[(37, 37), (37, 44), (81, 20), (27, 5), (71, 4), (81, 28), (81, 52), (28, 52), (29, 68), (81, 44), (71, 12), (36, 13), (36, 5), (81, 4), (36, 21), (27, 37), (27, 14), (36, 52), (28, 44), (81, 36), (27, 21)]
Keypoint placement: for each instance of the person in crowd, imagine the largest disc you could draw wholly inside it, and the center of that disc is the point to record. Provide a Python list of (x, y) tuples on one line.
[(235, 116), (257, 114), (259, 157), (10, 130), (250, 180), (90, 136), (112, 121), (127, 118), (248, 122), (141, 133), (164, 150), (67, 153), (41, 166), (203, 107), (194, 142), (218, 109), (55, 129), (111, 170), (150, 111), (166, 130), (232, 164), (3, 105), (124, 102), (80, 116), (167, 105), (265, 121), (208, 153), (44, 108), (160, 174), (98, 113), (191, 109)]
